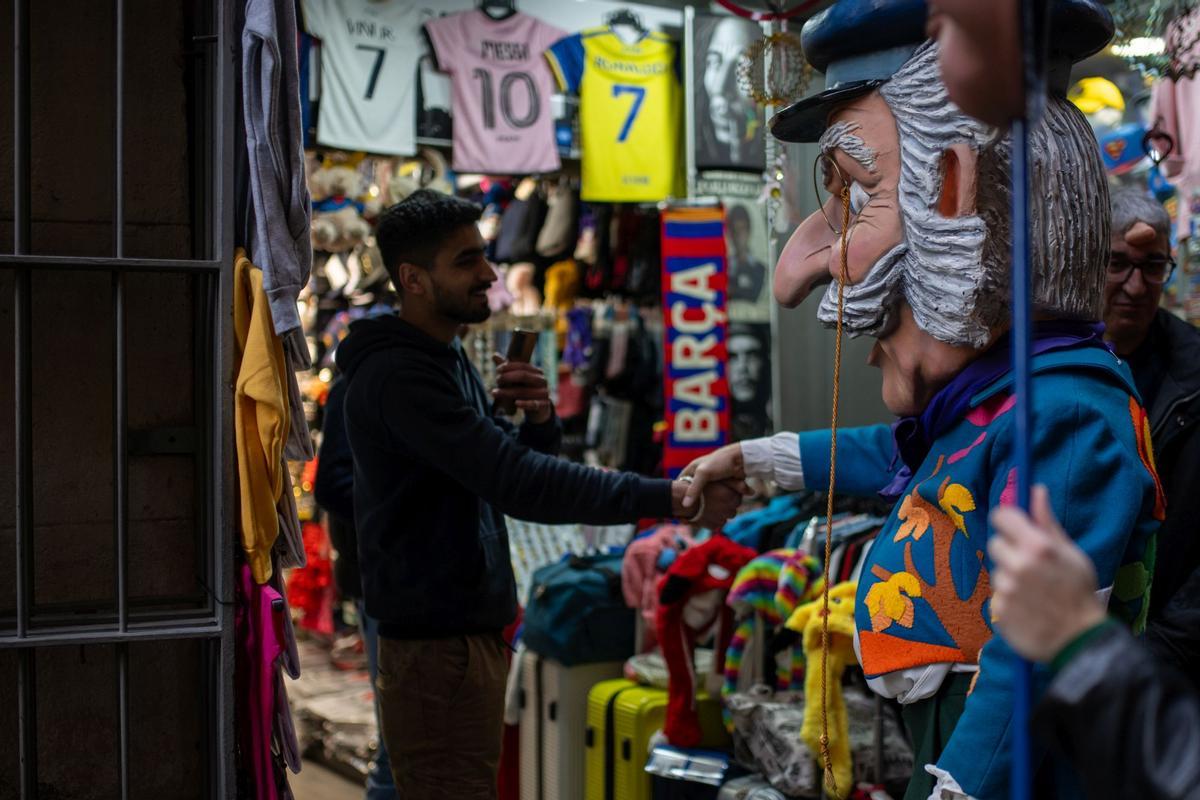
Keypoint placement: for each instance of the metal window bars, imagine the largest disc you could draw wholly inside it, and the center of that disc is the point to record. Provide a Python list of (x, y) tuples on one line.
[(213, 223)]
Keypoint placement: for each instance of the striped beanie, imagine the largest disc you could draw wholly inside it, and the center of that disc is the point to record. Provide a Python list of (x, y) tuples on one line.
[(769, 588)]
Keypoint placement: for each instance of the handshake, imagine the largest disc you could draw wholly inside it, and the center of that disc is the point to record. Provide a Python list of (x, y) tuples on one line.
[(711, 488)]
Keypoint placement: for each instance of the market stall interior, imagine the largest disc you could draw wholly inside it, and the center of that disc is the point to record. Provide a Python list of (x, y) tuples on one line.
[(197, 200), (634, 206)]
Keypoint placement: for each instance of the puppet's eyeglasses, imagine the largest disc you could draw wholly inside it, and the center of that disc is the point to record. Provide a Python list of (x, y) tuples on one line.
[(828, 179)]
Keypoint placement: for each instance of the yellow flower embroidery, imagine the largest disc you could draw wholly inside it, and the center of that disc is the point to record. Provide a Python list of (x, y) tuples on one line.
[(956, 500), (889, 601), (916, 521)]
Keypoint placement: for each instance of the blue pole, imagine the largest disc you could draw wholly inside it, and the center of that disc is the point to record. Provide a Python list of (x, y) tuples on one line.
[(1022, 335)]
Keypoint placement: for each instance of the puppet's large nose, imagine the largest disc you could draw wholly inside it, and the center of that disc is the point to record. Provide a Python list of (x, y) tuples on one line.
[(804, 263)]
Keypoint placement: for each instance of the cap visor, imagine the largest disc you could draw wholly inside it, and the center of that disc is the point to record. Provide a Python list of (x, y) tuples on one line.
[(804, 120)]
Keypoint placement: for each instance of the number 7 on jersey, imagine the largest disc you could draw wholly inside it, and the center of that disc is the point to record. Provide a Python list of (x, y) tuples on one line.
[(639, 94), (380, 53)]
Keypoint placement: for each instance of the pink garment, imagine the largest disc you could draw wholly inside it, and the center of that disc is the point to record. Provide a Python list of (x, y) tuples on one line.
[(260, 632), (1175, 110), (502, 87), (639, 573)]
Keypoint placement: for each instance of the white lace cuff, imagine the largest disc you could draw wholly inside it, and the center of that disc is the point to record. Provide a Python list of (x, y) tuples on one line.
[(775, 458)]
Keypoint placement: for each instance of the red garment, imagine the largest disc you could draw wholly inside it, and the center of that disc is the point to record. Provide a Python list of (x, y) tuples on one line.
[(310, 588), (508, 779), (691, 599)]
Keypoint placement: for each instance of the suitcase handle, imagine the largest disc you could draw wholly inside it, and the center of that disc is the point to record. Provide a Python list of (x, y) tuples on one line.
[(626, 749), (552, 711), (589, 739)]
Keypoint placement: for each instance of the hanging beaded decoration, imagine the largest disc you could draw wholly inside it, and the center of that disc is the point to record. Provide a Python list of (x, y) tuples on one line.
[(773, 70)]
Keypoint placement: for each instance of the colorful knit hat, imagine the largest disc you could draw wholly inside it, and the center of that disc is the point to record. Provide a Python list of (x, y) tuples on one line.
[(799, 582), (769, 588)]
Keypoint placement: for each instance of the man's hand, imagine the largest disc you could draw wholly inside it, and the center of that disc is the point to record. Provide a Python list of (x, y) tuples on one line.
[(725, 464), (525, 386), (721, 503), (1043, 585)]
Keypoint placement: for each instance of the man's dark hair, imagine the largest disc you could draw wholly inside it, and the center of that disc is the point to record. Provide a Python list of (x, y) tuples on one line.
[(737, 214), (414, 229)]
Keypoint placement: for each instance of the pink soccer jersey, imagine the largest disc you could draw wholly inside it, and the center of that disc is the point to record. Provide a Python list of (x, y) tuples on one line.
[(502, 87)]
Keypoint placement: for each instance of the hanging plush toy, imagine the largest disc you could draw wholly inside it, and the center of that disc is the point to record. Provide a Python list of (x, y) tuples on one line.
[(768, 590), (337, 220), (691, 601), (428, 170), (807, 622)]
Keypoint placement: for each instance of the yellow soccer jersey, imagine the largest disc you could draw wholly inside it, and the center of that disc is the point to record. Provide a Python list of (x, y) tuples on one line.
[(630, 113)]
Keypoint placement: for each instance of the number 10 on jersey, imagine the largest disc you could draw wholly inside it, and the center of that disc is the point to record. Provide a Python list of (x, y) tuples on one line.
[(639, 94)]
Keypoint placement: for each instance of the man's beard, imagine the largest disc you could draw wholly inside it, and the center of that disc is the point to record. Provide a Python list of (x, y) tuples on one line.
[(462, 310)]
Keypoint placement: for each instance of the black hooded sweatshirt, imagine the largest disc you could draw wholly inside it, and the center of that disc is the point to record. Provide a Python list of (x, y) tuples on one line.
[(434, 475)]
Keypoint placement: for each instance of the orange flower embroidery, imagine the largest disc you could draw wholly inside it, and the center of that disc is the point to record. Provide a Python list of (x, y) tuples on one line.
[(916, 521)]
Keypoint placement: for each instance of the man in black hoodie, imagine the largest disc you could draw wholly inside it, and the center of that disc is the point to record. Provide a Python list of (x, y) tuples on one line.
[(434, 474)]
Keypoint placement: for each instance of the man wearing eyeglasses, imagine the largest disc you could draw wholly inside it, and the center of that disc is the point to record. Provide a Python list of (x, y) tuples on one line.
[(1163, 353)]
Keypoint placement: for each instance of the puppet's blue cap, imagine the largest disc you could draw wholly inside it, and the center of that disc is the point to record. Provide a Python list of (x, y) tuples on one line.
[(861, 44)]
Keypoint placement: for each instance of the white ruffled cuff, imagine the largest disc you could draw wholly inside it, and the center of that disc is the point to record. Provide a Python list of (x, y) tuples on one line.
[(775, 458)]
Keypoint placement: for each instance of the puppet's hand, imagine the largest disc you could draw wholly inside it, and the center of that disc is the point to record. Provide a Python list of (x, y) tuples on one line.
[(725, 464), (946, 787), (718, 503)]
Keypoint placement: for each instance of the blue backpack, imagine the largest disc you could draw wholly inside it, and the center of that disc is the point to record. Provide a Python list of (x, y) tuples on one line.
[(577, 613)]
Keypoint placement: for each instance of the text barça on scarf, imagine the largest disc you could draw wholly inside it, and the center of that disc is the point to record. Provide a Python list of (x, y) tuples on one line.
[(695, 280)]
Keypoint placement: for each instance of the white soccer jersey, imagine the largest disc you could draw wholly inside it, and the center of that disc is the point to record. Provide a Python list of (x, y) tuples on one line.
[(369, 55)]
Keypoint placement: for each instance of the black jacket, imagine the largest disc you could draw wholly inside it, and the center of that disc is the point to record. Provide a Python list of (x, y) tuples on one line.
[(1174, 637), (1175, 432), (1128, 724), (333, 490), (434, 475)]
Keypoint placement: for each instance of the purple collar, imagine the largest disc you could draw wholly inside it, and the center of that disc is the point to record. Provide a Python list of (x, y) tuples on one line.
[(915, 435)]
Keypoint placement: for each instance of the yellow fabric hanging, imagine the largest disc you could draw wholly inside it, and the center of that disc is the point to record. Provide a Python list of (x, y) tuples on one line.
[(562, 287), (828, 637), (261, 419)]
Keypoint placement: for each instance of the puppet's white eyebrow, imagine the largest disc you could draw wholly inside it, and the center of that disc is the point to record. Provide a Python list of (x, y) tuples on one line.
[(841, 136)]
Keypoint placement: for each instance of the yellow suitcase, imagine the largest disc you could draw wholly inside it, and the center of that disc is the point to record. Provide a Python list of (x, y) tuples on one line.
[(639, 713), (599, 739)]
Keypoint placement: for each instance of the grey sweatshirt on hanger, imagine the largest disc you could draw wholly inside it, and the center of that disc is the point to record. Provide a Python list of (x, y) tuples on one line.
[(280, 208), (278, 214)]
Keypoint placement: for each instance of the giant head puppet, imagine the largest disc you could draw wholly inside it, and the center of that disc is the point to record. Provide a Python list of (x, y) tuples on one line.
[(928, 239)]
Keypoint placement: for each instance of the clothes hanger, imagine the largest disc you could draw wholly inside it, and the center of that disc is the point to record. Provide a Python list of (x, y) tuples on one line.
[(1157, 144), (498, 9), (628, 18)]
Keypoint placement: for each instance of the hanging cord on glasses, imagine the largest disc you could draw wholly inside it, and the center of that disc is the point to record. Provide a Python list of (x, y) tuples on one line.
[(843, 276)]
